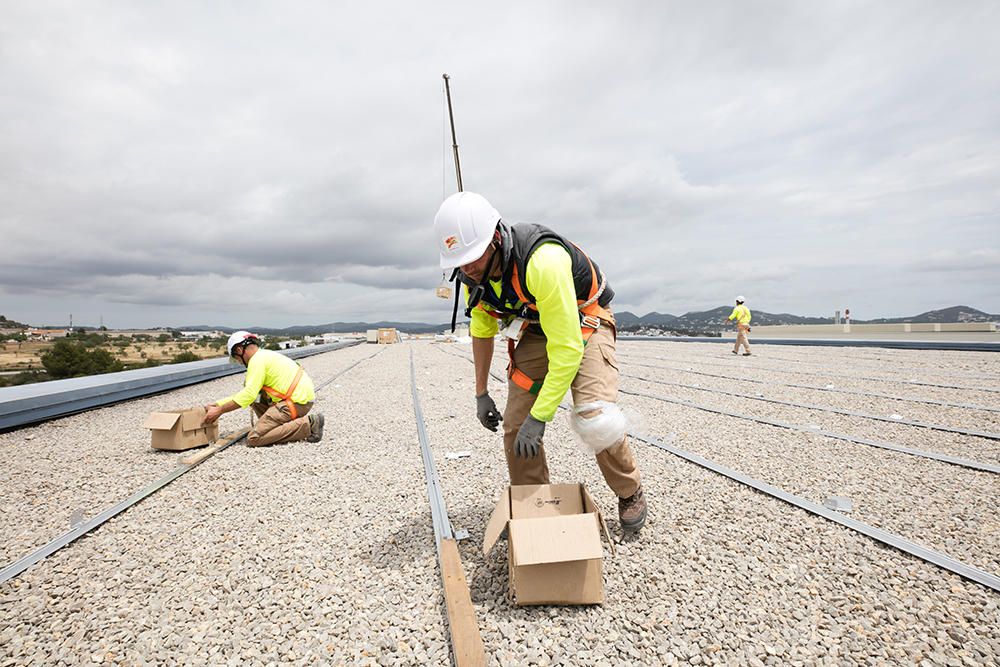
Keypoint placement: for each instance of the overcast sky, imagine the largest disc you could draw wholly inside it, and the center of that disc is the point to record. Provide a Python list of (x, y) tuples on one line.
[(275, 163)]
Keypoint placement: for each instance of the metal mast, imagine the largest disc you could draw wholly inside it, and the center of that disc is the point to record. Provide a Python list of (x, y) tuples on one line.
[(454, 141)]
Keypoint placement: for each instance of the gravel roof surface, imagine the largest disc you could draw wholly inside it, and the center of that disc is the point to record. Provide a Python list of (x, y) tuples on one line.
[(324, 553)]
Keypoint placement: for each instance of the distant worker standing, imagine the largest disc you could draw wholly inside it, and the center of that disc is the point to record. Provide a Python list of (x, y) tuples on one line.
[(553, 303), (286, 390), (742, 316)]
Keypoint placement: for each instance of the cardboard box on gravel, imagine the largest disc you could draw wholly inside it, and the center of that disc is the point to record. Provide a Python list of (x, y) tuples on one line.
[(554, 548), (177, 430)]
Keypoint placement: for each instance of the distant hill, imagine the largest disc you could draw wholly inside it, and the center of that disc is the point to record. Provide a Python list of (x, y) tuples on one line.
[(625, 318), (707, 319), (716, 316), (691, 322), (11, 324), (949, 315), (330, 327)]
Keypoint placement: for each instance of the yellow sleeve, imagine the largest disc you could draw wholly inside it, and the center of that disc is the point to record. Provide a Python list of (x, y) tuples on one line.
[(735, 313), (481, 324), (275, 370), (549, 278), (251, 384)]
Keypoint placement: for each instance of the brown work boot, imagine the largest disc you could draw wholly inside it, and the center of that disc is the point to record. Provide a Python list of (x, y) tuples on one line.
[(315, 427), (632, 511)]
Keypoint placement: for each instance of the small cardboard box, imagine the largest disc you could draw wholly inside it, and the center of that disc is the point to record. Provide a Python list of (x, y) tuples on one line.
[(553, 542), (387, 336), (177, 430)]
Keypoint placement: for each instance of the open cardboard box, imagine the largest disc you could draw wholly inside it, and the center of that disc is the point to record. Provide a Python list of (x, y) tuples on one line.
[(177, 430), (554, 543)]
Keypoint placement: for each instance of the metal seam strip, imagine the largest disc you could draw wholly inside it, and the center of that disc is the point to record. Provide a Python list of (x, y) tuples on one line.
[(439, 511), (930, 401), (873, 379), (344, 370), (821, 408), (936, 456), (444, 535), (906, 370), (890, 539), (912, 548), (971, 346), (55, 545)]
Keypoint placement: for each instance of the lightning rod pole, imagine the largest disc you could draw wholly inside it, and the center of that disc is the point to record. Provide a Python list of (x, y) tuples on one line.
[(454, 141)]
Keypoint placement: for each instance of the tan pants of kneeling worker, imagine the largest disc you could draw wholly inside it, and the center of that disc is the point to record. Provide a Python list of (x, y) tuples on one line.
[(275, 424), (597, 380)]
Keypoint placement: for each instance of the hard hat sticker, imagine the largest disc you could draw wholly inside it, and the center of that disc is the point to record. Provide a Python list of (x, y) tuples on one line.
[(451, 242)]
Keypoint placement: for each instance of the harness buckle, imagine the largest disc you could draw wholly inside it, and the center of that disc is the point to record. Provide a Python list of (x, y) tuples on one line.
[(515, 329), (590, 321)]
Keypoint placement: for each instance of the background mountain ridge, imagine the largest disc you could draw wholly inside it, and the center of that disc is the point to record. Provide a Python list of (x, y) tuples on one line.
[(705, 319)]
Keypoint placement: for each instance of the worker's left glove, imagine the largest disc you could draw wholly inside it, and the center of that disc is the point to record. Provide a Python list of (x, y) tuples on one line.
[(529, 438)]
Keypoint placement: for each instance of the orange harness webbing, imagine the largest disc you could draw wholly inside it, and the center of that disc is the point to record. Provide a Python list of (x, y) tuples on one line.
[(287, 396), (592, 315)]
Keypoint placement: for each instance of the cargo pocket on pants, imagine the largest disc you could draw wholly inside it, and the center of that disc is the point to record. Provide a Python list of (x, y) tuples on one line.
[(608, 352)]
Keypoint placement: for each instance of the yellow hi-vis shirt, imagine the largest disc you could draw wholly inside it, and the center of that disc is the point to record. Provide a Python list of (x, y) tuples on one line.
[(549, 277), (277, 371), (741, 314)]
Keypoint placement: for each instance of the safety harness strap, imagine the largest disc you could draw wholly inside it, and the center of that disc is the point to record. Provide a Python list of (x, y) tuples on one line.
[(517, 376), (287, 396), (591, 316)]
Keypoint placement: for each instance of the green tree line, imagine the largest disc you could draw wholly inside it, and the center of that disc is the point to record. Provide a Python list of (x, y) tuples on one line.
[(69, 359), (79, 356)]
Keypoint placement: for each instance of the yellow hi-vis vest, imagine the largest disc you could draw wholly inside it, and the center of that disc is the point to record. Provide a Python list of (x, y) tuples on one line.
[(275, 370), (741, 314)]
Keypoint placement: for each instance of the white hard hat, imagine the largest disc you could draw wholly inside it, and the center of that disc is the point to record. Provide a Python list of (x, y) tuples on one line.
[(237, 338), (464, 227), (741, 298)]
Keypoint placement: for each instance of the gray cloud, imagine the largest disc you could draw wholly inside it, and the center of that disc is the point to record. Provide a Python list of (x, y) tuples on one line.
[(168, 163), (984, 261)]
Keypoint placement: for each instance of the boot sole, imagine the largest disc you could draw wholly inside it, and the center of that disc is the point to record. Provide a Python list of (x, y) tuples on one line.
[(635, 525), (319, 436)]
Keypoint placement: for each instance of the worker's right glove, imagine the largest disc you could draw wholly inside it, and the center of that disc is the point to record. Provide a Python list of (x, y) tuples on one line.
[(529, 438), (487, 411)]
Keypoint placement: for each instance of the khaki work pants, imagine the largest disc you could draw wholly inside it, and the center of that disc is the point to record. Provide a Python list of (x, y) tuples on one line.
[(741, 337), (597, 380), (275, 424)]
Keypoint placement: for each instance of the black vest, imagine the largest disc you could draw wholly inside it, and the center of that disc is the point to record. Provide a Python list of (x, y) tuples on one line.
[(524, 239)]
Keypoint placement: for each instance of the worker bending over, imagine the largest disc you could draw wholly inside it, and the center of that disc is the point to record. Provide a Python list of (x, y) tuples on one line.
[(554, 305), (279, 391), (742, 316)]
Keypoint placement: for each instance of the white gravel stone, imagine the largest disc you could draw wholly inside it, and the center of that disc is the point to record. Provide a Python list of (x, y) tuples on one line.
[(944, 507), (324, 553), (720, 573)]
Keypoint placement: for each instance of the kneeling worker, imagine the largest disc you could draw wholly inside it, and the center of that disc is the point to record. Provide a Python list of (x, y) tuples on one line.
[(555, 302), (288, 392)]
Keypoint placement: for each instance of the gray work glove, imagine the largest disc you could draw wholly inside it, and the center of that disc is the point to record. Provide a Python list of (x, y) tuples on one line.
[(487, 411), (529, 438)]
